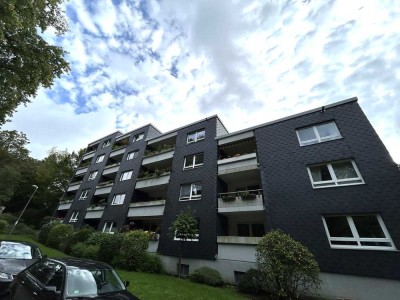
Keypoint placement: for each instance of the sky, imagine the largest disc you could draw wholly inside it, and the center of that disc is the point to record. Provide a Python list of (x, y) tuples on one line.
[(171, 63)]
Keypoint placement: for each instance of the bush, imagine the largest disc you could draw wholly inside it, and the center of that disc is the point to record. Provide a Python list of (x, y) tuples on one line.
[(3, 225), (110, 245), (207, 276), (286, 266), (59, 233), (134, 249), (80, 236), (152, 264), (44, 231), (23, 229), (84, 250), (250, 282), (8, 217), (95, 238)]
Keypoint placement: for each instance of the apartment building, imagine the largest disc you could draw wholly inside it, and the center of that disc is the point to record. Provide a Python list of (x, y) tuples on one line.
[(323, 176)]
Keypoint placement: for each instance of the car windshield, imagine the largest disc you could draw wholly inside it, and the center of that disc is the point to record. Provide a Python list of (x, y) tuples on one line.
[(91, 282), (10, 250)]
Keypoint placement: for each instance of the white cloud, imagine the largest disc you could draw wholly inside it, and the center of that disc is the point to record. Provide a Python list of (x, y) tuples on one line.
[(173, 62)]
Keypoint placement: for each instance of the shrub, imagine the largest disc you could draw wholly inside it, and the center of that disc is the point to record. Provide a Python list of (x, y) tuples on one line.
[(8, 217), (95, 238), (23, 229), (250, 282), (134, 249), (3, 225), (84, 250), (207, 276), (79, 236), (58, 234), (44, 231), (286, 266), (110, 245), (152, 264)]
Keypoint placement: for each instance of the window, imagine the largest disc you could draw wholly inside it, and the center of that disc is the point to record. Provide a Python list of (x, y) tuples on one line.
[(92, 175), (193, 161), (318, 134), (107, 143), (99, 159), (132, 155), (138, 137), (126, 175), (84, 194), (118, 199), (110, 227), (357, 232), (337, 173), (196, 136), (256, 229), (74, 217), (191, 191)]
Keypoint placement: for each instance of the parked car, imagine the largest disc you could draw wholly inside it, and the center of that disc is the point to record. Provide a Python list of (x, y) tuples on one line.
[(15, 257), (69, 278)]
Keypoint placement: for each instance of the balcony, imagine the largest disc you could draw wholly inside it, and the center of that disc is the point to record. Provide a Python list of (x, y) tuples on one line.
[(159, 156), (111, 169), (74, 186), (238, 163), (237, 248), (104, 188), (146, 209), (81, 171), (95, 212), (89, 155), (244, 201), (64, 205), (117, 153), (153, 181)]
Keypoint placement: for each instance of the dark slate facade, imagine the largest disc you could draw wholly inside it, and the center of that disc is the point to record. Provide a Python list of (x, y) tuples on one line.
[(291, 203), (295, 207)]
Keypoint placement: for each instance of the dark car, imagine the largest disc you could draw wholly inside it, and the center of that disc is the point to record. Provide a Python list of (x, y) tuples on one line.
[(69, 278), (15, 257)]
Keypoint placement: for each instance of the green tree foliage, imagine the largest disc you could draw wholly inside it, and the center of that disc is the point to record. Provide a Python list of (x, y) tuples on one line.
[(134, 249), (250, 282), (27, 61), (45, 230), (286, 266), (58, 234), (184, 228)]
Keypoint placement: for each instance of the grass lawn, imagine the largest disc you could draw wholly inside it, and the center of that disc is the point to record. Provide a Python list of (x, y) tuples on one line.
[(152, 286)]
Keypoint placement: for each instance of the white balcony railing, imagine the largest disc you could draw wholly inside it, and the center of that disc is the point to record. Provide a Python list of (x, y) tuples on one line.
[(238, 163), (146, 209), (244, 201)]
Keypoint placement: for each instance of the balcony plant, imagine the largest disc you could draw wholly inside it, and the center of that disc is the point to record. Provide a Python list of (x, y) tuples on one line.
[(228, 198), (248, 196), (106, 183), (158, 150)]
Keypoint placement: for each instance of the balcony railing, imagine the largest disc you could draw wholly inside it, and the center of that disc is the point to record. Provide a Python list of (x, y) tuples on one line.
[(250, 200), (159, 150), (112, 165), (105, 183), (157, 173)]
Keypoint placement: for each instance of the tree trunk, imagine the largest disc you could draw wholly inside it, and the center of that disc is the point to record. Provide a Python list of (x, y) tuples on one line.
[(179, 261)]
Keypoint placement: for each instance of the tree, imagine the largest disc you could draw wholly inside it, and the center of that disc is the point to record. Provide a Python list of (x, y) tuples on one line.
[(27, 61), (184, 228), (286, 266)]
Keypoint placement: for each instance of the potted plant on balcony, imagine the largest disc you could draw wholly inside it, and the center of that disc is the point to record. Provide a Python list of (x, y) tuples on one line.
[(228, 198), (248, 196)]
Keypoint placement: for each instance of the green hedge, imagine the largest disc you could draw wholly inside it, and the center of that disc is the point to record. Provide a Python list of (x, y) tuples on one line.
[(207, 276), (110, 245), (251, 282), (59, 233), (84, 250), (133, 249), (45, 230)]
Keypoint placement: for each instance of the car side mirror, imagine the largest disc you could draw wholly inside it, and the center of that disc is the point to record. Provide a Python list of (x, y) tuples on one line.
[(127, 283)]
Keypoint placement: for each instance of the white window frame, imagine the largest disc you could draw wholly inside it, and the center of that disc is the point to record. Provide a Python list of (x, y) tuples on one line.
[(132, 155), (194, 165), (318, 139), (357, 238), (118, 199), (107, 143), (126, 175), (74, 216), (334, 182), (84, 194), (196, 137), (191, 197), (92, 175), (99, 159), (138, 137), (108, 229), (187, 240)]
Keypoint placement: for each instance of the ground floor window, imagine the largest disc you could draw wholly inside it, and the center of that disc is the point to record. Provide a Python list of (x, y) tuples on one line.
[(357, 232), (110, 227)]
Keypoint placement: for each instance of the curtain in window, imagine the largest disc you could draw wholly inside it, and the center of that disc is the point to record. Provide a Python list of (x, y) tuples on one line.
[(344, 170)]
